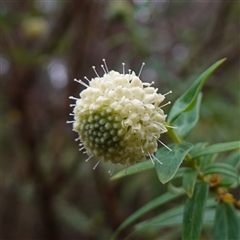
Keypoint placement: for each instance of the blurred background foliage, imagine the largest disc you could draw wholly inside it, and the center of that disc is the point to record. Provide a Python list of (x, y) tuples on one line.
[(47, 189)]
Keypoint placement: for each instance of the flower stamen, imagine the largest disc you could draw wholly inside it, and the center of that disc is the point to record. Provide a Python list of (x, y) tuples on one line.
[(72, 121), (81, 82), (157, 159), (150, 156), (141, 69), (174, 127), (87, 79), (71, 97), (80, 149), (96, 165), (94, 69), (167, 93), (164, 145), (88, 158), (165, 104), (103, 69), (105, 65), (123, 65)]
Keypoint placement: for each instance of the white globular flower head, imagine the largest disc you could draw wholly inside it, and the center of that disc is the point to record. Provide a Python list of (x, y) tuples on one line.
[(118, 118)]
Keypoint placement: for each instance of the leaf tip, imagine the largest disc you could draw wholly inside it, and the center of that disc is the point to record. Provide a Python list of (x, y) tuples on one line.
[(223, 60)]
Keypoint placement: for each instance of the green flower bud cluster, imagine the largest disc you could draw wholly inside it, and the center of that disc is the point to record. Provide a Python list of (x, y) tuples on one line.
[(101, 135)]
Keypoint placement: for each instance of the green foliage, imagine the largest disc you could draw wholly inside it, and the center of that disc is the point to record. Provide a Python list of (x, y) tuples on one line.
[(158, 220), (188, 100), (216, 148), (200, 173), (140, 167), (166, 197), (234, 159), (226, 223), (49, 192), (193, 212), (171, 217), (187, 121), (171, 160), (189, 180), (221, 168)]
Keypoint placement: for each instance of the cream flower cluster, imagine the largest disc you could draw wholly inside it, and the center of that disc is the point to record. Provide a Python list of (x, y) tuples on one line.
[(119, 118)]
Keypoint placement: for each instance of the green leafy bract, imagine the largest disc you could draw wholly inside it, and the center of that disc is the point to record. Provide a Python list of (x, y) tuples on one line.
[(171, 160)]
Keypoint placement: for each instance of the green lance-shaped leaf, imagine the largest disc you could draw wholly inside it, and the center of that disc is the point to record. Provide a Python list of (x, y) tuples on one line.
[(166, 197), (207, 160), (177, 220), (171, 217), (233, 159), (226, 224), (173, 212), (221, 168), (201, 161), (216, 148), (137, 168), (193, 212), (187, 99), (171, 160), (189, 180), (188, 118)]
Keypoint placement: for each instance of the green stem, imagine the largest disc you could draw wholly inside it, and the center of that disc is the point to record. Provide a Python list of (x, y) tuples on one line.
[(174, 136)]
